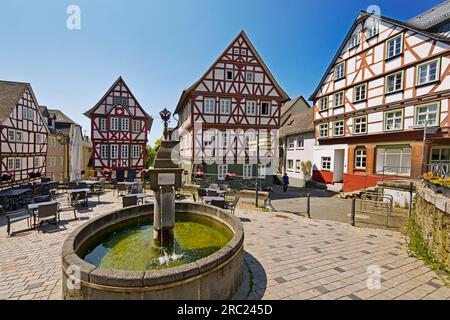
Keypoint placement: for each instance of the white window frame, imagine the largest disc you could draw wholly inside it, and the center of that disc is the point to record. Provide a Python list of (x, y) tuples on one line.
[(339, 127), (209, 103), (249, 76), (290, 165), (393, 40), (360, 157), (325, 163), (124, 152), (11, 135), (354, 40), (291, 143), (222, 169), (103, 124), (125, 124), (323, 127), (136, 151), (11, 164), (300, 143), (104, 151), (359, 125), (27, 113), (250, 105), (360, 92), (19, 136), (262, 171), (396, 118), (36, 162), (323, 103), (114, 151), (402, 154), (225, 106), (417, 113), (339, 97), (114, 123), (298, 166), (227, 72), (338, 72), (268, 108), (372, 27), (386, 82), (427, 66), (247, 171), (136, 126), (19, 161), (224, 139)]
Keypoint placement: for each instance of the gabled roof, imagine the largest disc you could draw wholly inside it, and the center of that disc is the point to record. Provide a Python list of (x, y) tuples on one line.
[(362, 16), (60, 116), (186, 92), (289, 104), (120, 79), (431, 18), (298, 122), (10, 94)]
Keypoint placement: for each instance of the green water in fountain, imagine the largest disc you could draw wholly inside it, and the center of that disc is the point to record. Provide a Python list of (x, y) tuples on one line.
[(129, 246)]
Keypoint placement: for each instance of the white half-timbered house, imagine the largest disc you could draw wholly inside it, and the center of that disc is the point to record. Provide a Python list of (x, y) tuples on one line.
[(221, 113), (119, 131), (23, 134), (386, 81)]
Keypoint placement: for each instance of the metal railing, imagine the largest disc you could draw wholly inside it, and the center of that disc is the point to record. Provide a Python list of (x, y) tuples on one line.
[(238, 182)]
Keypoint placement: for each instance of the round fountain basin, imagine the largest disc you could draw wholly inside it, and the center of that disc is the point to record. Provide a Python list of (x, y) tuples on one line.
[(112, 257)]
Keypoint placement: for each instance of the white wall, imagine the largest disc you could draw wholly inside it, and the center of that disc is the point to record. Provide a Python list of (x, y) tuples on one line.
[(302, 154)]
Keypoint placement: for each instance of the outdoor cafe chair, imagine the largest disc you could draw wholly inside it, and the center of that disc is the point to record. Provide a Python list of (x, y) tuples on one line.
[(232, 205), (218, 203), (47, 213), (40, 199), (129, 201), (214, 186), (212, 193), (17, 216), (202, 193), (78, 198), (121, 190)]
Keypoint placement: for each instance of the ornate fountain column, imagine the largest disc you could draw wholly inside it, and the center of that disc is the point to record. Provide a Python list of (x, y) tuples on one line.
[(164, 179)]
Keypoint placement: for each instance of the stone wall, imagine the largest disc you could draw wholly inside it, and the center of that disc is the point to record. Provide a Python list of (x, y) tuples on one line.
[(432, 214)]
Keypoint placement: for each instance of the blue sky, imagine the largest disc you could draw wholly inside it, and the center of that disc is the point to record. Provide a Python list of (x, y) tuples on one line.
[(161, 47)]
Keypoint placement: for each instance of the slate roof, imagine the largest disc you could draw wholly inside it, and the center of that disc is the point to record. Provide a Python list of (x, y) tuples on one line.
[(301, 121), (60, 116), (10, 94), (431, 18)]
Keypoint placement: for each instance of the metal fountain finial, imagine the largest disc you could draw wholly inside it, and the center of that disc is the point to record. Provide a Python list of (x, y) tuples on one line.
[(165, 116)]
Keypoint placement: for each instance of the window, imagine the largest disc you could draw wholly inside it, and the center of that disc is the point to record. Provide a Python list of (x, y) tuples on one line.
[(360, 125), (339, 99), (291, 143), (225, 106), (440, 155), (372, 27), (247, 171), (243, 52), (224, 140), (251, 108), (115, 124), (323, 130), (300, 143), (124, 151), (290, 165), (261, 171), (11, 135), (10, 164), (393, 160), (338, 128), (394, 46), (354, 40), (393, 120), (427, 72), (427, 112), (136, 151), (339, 71), (38, 138), (27, 113), (230, 75), (104, 151), (359, 93), (326, 163), (125, 124), (208, 105), (37, 162), (114, 151), (394, 82), (18, 163), (298, 166), (102, 124), (265, 109), (222, 169), (323, 104), (208, 139), (249, 76), (121, 101), (136, 125), (236, 50), (19, 136), (360, 158)]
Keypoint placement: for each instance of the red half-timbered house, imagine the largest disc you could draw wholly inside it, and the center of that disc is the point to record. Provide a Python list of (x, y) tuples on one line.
[(119, 131), (221, 112), (23, 135)]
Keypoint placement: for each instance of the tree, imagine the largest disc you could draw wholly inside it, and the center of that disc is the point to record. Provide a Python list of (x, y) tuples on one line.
[(306, 169), (151, 154)]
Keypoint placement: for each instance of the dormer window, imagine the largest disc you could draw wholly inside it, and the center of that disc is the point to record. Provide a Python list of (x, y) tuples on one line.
[(354, 40), (339, 71), (372, 28)]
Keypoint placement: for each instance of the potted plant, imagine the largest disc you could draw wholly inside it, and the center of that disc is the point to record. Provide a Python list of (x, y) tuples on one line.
[(427, 177), (7, 176), (446, 187), (230, 176), (107, 171)]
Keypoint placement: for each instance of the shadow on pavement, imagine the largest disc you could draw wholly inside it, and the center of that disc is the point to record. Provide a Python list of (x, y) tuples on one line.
[(278, 194)]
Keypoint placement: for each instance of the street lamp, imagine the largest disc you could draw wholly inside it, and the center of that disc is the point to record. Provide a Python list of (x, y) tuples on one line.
[(425, 128), (64, 140)]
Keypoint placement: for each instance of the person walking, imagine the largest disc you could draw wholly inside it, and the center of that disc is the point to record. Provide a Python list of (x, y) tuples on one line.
[(285, 182)]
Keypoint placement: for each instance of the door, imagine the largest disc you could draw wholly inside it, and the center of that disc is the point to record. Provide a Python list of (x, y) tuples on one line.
[(338, 172)]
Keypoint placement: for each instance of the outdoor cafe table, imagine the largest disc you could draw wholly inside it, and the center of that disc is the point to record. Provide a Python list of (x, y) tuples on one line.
[(140, 196), (90, 183), (34, 206), (215, 190), (14, 196), (70, 191), (210, 199)]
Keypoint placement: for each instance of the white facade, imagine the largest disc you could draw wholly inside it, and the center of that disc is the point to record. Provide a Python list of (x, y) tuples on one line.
[(337, 155), (299, 148)]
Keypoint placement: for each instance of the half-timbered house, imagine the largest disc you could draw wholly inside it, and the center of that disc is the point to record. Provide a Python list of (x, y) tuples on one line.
[(23, 134), (388, 79), (119, 131), (224, 112)]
